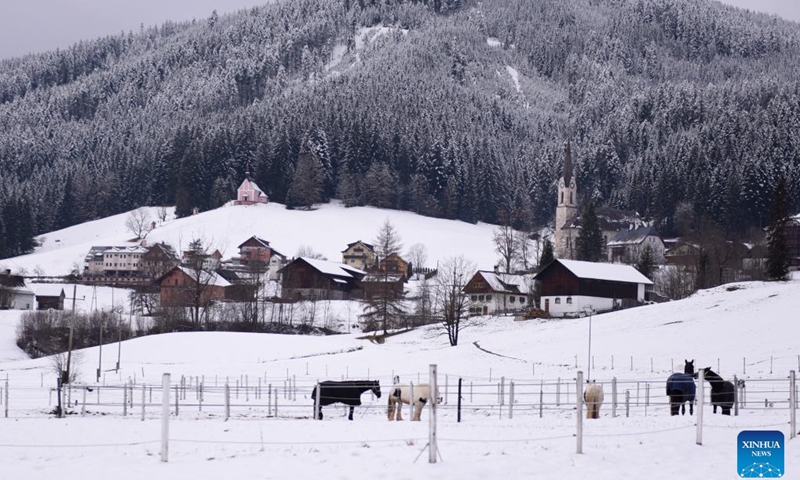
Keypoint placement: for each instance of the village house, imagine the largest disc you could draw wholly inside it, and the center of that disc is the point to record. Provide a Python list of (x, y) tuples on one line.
[(49, 296), (257, 254), (180, 285), (128, 265), (571, 288), (312, 279), (627, 245), (394, 263), (382, 285), (792, 233), (359, 255), (158, 260), (14, 294), (249, 193), (492, 292)]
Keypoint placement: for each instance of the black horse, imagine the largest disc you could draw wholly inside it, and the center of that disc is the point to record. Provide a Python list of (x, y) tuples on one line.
[(348, 393), (681, 389), (723, 393)]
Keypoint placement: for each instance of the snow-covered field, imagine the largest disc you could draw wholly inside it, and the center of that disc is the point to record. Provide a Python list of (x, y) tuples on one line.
[(326, 230), (747, 330)]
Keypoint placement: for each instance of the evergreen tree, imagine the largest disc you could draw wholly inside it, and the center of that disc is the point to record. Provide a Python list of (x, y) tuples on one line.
[(548, 255), (68, 214), (646, 263), (778, 251), (590, 238), (308, 183)]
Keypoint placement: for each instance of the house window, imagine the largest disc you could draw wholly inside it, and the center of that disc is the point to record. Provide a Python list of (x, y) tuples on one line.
[(569, 300), (521, 299), (512, 299), (480, 298), (558, 300), (488, 298), (570, 197), (562, 197), (474, 298)]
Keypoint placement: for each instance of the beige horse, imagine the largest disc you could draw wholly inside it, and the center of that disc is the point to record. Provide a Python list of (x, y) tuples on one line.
[(593, 397), (401, 394)]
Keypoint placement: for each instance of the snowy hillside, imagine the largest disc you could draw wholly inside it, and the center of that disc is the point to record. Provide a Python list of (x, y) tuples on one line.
[(747, 330), (326, 230)]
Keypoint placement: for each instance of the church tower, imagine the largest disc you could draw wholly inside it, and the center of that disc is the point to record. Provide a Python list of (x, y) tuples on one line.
[(566, 209)]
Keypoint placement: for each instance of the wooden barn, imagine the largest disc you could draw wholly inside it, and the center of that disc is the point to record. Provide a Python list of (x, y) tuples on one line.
[(49, 296), (570, 287), (179, 286), (312, 279)]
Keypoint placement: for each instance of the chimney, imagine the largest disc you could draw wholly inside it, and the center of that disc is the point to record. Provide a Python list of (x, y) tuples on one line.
[(8, 272)]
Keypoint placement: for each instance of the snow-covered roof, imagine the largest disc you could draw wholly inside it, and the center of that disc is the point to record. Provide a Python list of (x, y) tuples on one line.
[(261, 241), (508, 282), (47, 289), (613, 272), (382, 278), (333, 268), (248, 184), (206, 278), (608, 218), (632, 236), (370, 247)]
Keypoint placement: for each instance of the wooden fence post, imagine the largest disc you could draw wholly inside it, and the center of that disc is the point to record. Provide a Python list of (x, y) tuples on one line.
[(228, 401), (165, 416), (627, 403), (792, 405), (511, 401), (700, 402), (433, 450), (579, 412), (614, 397)]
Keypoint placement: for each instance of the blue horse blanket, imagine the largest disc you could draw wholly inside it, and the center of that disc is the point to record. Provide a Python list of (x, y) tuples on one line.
[(681, 384)]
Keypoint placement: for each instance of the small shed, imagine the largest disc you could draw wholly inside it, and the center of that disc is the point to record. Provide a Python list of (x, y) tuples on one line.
[(49, 296), (570, 287)]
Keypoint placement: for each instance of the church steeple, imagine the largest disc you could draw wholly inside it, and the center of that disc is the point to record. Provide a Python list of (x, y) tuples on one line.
[(567, 165), (567, 207)]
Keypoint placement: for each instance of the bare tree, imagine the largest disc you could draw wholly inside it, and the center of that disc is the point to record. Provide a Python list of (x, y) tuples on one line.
[(139, 223), (308, 252), (505, 241), (417, 255), (452, 304), (201, 270), (162, 214)]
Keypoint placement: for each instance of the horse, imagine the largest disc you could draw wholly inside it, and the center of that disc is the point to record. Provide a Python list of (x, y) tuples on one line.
[(400, 394), (723, 393), (593, 397), (681, 389), (348, 392)]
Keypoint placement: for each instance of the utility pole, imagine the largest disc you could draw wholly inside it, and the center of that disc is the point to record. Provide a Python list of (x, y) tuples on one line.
[(69, 348)]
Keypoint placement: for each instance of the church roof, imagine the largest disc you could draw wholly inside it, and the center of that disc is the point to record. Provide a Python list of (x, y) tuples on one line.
[(632, 236), (609, 219)]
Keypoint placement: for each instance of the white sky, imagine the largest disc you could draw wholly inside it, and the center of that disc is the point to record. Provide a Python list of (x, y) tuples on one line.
[(28, 26)]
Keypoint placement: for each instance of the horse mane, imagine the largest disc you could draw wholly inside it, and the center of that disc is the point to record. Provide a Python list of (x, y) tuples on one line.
[(711, 375)]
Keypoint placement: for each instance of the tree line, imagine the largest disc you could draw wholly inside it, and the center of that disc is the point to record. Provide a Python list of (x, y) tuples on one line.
[(447, 108)]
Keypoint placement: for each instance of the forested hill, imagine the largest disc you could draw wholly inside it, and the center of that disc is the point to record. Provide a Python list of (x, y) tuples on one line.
[(451, 108)]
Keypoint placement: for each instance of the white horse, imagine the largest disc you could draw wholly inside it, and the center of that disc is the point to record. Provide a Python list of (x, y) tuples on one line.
[(593, 397), (400, 394)]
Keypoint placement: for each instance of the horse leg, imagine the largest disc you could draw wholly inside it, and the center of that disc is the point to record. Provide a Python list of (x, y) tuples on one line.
[(715, 408), (350, 417), (399, 416), (390, 410), (726, 411), (417, 411), (691, 408)]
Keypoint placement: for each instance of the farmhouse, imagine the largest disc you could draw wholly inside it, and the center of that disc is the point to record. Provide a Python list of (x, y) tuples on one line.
[(180, 285), (395, 264), (493, 292), (569, 286), (627, 245), (256, 254), (313, 279), (14, 294), (359, 254)]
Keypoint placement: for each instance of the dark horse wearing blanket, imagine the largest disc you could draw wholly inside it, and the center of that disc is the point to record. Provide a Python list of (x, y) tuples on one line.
[(723, 393), (681, 389), (348, 393)]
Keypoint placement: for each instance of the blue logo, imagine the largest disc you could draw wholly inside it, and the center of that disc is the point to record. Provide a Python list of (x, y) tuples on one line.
[(760, 454)]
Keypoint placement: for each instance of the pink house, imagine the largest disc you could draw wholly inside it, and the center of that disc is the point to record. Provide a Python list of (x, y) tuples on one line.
[(249, 193)]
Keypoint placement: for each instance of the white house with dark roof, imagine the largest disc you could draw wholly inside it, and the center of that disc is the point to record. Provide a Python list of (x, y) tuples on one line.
[(571, 287), (249, 193), (492, 292), (627, 245)]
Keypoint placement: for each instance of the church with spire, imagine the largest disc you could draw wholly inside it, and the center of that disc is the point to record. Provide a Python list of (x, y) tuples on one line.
[(624, 232), (249, 193), (566, 210)]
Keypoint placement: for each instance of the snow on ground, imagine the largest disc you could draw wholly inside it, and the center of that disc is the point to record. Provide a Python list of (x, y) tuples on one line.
[(327, 230), (750, 323), (493, 42), (514, 77)]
